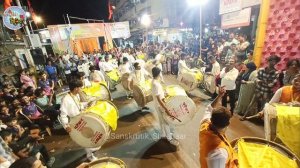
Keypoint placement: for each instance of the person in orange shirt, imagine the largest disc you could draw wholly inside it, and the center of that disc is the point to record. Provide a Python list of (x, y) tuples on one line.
[(215, 149), (288, 94)]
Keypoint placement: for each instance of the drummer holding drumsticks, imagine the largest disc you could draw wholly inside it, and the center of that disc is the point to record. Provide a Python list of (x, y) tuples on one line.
[(138, 76), (215, 149), (72, 106), (158, 98)]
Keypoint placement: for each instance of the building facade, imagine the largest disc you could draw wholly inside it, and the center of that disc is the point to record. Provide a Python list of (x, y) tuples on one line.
[(165, 15)]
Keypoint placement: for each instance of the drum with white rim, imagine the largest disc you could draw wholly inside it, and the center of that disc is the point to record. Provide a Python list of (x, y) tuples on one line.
[(92, 127), (113, 76), (190, 80), (107, 162), (179, 104), (124, 81), (270, 121), (289, 119), (210, 83), (142, 93), (98, 90)]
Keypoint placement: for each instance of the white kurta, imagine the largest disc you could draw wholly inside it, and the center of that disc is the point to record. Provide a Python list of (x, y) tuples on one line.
[(157, 90)]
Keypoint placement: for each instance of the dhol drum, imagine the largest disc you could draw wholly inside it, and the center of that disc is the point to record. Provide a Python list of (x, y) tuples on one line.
[(107, 162), (282, 123), (98, 90), (142, 93), (92, 127), (209, 83), (113, 77), (270, 120), (124, 81), (179, 104), (190, 80), (260, 153)]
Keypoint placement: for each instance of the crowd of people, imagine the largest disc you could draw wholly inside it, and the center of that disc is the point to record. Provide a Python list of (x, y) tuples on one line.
[(29, 108)]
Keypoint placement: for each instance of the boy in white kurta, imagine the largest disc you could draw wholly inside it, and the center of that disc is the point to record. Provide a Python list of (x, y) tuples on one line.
[(159, 101)]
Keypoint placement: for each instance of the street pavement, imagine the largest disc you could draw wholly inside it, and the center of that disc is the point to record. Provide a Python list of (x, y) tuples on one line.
[(137, 141)]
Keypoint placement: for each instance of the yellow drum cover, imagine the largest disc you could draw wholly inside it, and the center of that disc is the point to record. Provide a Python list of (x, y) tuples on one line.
[(190, 80), (142, 93), (260, 153), (91, 128), (98, 90), (174, 90), (142, 57), (124, 81), (114, 75), (288, 126), (180, 106), (107, 162)]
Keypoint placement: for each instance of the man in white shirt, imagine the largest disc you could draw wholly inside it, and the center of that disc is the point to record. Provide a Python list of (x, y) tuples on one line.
[(157, 63), (66, 56), (228, 77), (158, 58), (138, 76), (125, 67), (71, 106), (84, 67), (215, 70), (95, 75), (182, 67), (231, 40), (215, 149), (159, 101), (107, 66), (141, 62)]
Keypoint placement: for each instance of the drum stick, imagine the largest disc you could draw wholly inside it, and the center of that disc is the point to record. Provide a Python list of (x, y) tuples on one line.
[(254, 116), (176, 118)]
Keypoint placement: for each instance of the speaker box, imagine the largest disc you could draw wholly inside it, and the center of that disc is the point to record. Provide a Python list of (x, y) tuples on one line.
[(38, 56)]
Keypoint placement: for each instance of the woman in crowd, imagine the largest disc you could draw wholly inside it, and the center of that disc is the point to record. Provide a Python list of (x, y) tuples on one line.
[(26, 79), (293, 68), (247, 89)]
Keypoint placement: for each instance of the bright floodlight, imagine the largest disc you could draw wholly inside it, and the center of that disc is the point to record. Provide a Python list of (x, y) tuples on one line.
[(145, 20), (196, 2), (38, 19)]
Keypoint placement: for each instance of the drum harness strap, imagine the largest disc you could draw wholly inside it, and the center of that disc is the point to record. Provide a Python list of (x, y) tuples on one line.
[(76, 101)]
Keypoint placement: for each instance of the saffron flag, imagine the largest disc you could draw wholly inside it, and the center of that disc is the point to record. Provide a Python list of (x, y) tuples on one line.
[(31, 11), (7, 4), (110, 11)]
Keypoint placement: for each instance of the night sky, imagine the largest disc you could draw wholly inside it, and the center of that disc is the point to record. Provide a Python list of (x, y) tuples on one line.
[(52, 10)]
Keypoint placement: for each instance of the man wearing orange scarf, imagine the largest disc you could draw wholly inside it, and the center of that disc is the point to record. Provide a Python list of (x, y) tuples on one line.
[(288, 94), (215, 149)]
